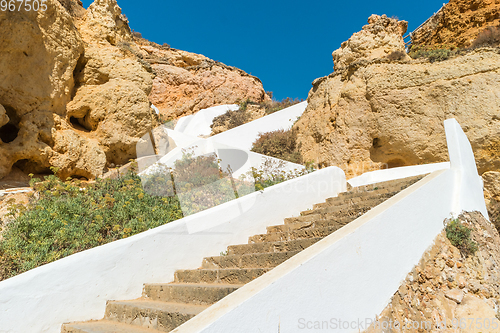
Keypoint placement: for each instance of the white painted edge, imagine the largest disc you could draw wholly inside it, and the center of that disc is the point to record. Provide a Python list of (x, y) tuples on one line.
[(379, 176)]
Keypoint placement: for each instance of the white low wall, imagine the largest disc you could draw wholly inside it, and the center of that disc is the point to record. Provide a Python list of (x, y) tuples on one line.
[(384, 175), (352, 274), (77, 287), (245, 135), (198, 124)]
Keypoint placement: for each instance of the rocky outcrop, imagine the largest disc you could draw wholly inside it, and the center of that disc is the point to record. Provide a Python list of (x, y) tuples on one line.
[(75, 88), (458, 23), (72, 97), (38, 55), (492, 196), (383, 113), (187, 82), (378, 39), (446, 290)]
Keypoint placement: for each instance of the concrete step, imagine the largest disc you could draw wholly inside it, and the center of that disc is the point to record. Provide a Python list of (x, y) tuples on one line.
[(254, 260), (161, 316), (352, 211), (397, 184), (347, 207), (321, 222), (224, 275), (294, 245), (103, 326), (189, 293), (293, 235), (354, 199)]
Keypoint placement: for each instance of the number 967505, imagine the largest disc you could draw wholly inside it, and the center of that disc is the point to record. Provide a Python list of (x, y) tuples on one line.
[(25, 5)]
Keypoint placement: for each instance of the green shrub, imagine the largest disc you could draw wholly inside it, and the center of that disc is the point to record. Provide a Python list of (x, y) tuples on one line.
[(433, 53), (68, 217), (488, 37), (280, 144), (460, 237), (271, 173)]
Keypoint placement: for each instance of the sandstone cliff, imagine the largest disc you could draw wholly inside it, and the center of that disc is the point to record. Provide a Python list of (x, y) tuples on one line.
[(187, 82), (75, 88), (458, 23), (377, 112)]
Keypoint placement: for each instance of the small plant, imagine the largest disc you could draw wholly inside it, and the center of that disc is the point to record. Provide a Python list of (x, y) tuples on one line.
[(396, 55), (433, 53), (460, 237), (488, 37), (280, 144), (223, 254), (232, 119)]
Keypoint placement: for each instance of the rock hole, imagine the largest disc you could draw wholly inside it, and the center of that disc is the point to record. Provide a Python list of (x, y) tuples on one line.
[(376, 143), (29, 166), (9, 132), (78, 73), (79, 124)]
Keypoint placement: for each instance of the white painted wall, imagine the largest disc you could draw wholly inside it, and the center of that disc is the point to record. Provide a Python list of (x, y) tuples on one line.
[(198, 124), (245, 135), (378, 176), (468, 189), (352, 274), (77, 287)]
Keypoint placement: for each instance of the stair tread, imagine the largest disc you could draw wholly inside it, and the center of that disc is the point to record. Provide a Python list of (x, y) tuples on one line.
[(104, 326), (171, 307), (197, 285), (276, 244)]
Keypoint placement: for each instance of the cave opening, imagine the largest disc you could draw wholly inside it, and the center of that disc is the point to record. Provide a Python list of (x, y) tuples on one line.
[(9, 132), (79, 123)]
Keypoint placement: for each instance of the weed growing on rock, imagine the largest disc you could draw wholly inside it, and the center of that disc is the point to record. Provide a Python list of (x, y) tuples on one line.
[(488, 37), (433, 53), (460, 237)]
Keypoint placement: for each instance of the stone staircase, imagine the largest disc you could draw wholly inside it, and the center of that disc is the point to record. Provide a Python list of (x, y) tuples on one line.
[(163, 307)]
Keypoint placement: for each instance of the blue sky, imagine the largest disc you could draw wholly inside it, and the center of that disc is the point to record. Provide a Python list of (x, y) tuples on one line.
[(287, 44)]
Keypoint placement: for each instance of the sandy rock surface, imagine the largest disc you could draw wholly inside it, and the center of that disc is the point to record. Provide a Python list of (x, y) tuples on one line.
[(459, 23)]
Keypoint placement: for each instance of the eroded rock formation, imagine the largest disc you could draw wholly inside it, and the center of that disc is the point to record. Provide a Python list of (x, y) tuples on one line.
[(379, 38), (187, 82), (458, 23), (378, 113), (75, 88)]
